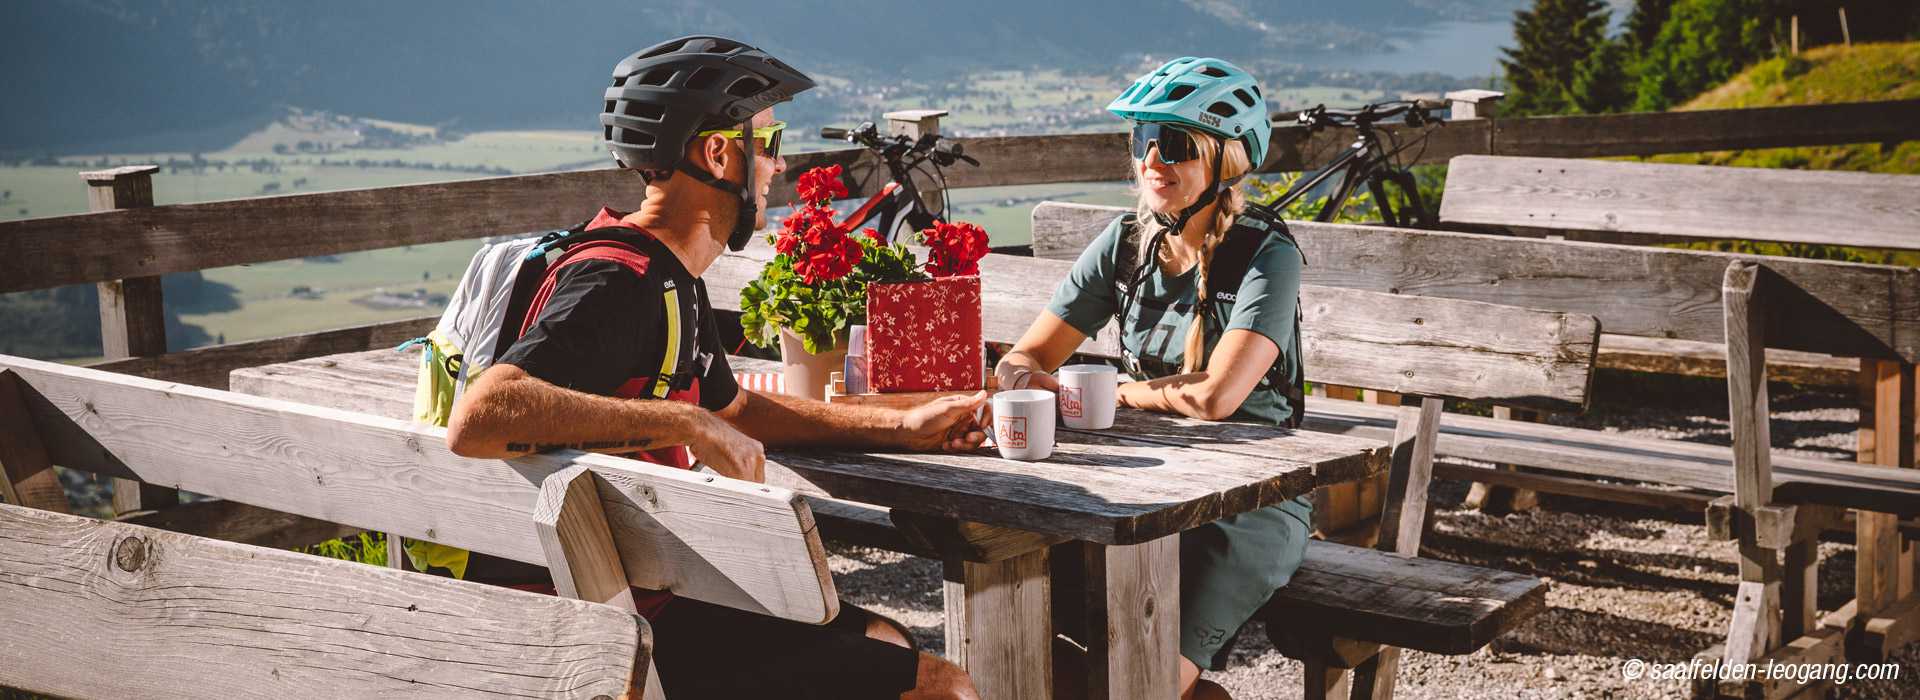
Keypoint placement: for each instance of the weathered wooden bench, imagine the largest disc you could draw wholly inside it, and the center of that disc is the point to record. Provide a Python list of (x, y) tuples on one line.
[(602, 524), (1652, 202), (1626, 202), (1820, 306), (110, 610)]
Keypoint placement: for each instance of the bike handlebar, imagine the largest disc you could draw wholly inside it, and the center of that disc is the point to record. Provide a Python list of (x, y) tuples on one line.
[(896, 148), (1415, 110)]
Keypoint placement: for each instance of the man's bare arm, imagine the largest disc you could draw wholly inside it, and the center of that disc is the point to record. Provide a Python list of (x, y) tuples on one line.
[(786, 421), (507, 412)]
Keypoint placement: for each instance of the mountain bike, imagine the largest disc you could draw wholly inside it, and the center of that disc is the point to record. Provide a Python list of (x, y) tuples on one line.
[(1372, 159), (898, 201)]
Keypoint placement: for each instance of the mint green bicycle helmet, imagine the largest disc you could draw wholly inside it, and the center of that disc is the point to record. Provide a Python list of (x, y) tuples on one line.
[(1208, 94)]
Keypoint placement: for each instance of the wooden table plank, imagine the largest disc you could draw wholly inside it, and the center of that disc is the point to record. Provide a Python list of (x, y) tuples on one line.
[(1153, 475)]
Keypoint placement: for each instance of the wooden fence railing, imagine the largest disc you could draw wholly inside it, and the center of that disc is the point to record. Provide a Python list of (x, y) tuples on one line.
[(131, 242)]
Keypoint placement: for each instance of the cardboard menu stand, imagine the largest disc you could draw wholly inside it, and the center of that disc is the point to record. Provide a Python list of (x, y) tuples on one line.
[(925, 336)]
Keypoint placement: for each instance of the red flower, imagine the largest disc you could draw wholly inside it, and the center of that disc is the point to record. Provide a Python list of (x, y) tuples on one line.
[(830, 262), (821, 185), (956, 249), (875, 235)]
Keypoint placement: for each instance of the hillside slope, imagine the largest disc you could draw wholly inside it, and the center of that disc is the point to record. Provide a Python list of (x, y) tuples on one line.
[(1825, 75)]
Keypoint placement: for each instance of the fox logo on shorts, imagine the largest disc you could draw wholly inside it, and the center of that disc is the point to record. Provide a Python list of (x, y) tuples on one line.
[(1013, 432), (1070, 401)]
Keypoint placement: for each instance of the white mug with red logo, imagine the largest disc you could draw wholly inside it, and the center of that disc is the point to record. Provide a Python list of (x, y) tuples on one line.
[(1088, 395), (1023, 424)]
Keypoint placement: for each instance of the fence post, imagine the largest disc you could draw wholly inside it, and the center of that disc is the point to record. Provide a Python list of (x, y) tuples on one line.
[(915, 123), (133, 322), (1473, 104)]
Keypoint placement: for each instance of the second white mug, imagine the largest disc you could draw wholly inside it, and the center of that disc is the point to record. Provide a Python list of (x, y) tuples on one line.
[(1023, 424), (1088, 395)]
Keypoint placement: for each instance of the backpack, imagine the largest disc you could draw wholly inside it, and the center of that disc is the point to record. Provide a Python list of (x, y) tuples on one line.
[(504, 281), (1225, 272)]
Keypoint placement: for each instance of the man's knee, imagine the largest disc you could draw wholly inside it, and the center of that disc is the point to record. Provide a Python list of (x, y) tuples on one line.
[(940, 679)]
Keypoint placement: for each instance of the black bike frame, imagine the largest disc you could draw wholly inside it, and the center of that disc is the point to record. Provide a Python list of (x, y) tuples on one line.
[(1364, 161)]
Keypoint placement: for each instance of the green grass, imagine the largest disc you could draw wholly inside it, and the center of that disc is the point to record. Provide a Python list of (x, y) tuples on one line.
[(1826, 75), (366, 548), (268, 308), (1007, 212)]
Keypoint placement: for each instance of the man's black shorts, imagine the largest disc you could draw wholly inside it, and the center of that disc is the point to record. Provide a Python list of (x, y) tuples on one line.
[(707, 651)]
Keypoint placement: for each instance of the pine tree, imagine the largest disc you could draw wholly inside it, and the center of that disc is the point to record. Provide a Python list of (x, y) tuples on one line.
[(1702, 44), (1644, 20), (1551, 41), (1600, 83)]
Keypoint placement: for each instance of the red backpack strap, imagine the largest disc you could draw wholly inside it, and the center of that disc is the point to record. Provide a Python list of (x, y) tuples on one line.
[(624, 254)]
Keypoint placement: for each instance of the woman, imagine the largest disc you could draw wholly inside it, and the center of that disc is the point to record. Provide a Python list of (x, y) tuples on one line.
[(1193, 347)]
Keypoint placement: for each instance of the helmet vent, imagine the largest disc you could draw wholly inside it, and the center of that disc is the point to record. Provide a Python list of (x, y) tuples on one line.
[(657, 76), (618, 81), (1213, 72), (635, 138), (703, 79), (1179, 92), (665, 49), (747, 86), (609, 109), (1245, 99), (644, 111), (1223, 109)]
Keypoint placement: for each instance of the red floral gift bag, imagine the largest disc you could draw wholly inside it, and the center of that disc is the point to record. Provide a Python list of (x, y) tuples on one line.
[(925, 336)]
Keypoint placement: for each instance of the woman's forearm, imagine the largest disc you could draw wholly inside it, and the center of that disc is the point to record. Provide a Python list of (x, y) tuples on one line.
[(1189, 395)]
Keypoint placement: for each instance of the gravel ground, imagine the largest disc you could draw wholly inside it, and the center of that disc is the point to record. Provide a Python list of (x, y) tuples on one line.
[(1627, 582)]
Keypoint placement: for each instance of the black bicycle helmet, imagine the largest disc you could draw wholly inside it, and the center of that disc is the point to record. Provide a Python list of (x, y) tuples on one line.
[(664, 94)]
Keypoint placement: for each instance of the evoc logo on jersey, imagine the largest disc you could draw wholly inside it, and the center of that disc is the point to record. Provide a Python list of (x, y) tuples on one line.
[(1210, 119), (1228, 297)]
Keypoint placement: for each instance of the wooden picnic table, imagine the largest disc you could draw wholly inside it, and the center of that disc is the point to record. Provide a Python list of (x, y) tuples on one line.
[(1127, 493)]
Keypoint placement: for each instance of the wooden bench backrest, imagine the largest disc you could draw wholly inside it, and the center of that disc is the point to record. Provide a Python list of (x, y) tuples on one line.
[(1844, 309), (101, 609), (742, 545), (1868, 210)]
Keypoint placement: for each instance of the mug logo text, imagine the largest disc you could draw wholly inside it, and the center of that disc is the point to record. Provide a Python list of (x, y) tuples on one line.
[(1013, 432)]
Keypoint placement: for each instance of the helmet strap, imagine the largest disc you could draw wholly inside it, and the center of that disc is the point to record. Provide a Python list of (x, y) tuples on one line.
[(748, 211), (1208, 196)]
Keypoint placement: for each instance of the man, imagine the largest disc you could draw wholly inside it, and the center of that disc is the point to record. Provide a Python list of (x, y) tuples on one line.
[(694, 116)]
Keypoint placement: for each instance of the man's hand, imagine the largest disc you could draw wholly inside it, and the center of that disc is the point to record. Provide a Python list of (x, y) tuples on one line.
[(729, 451), (947, 423)]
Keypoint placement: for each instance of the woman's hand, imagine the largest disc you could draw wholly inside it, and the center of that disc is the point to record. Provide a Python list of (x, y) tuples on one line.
[(1017, 371)]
